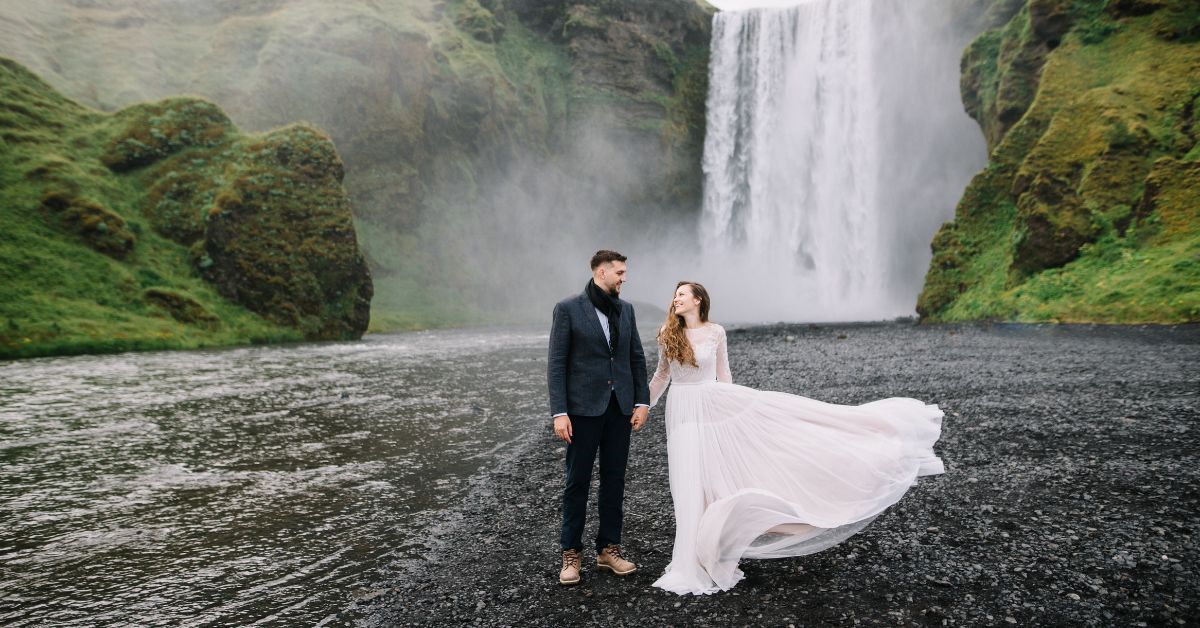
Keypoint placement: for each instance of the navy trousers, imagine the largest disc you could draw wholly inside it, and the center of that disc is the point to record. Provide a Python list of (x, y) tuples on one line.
[(607, 434)]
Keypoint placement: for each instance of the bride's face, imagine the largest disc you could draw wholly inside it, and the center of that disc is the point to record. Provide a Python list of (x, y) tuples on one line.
[(685, 301)]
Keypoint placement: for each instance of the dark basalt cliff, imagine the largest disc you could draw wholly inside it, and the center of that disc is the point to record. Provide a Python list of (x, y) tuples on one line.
[(641, 66), (1089, 208)]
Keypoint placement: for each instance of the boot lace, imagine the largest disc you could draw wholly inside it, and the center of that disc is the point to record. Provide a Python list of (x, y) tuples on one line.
[(615, 552), (571, 559)]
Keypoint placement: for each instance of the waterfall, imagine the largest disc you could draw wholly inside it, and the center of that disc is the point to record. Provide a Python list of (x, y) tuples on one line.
[(836, 146)]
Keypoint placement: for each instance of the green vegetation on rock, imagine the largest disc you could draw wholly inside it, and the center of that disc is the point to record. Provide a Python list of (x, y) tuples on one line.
[(441, 109), (1089, 208), (161, 226)]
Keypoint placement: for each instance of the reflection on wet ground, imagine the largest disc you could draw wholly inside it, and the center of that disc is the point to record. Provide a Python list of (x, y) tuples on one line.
[(266, 484)]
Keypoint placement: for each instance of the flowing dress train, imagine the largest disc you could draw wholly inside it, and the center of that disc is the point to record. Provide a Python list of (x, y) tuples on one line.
[(758, 474)]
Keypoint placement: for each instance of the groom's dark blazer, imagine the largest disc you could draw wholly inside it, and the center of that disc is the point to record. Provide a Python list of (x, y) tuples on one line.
[(581, 373)]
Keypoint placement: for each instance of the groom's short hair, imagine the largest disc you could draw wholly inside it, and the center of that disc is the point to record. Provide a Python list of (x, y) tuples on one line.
[(604, 256)]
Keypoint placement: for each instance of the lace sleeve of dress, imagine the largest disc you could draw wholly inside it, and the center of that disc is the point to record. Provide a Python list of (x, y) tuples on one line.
[(662, 376), (723, 374)]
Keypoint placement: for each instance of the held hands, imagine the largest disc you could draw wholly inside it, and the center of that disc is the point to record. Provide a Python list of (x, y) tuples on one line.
[(562, 424), (640, 414)]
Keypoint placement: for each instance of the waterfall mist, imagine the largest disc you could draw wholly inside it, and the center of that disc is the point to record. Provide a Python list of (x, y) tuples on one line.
[(836, 146), (526, 241)]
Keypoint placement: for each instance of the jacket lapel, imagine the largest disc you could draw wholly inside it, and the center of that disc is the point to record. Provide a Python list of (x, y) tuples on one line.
[(623, 325), (589, 312)]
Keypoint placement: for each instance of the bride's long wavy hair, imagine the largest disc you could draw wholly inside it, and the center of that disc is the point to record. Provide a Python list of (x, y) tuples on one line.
[(671, 336)]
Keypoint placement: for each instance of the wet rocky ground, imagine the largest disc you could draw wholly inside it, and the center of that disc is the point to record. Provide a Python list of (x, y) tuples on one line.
[(1071, 497)]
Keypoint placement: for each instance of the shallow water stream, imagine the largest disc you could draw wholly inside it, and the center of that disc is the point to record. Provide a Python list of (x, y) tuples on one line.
[(265, 484)]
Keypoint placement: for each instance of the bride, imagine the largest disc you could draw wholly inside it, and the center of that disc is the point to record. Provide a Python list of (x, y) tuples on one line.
[(758, 474)]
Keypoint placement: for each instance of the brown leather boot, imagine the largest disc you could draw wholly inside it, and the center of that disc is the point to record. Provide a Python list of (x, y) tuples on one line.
[(610, 559), (570, 567)]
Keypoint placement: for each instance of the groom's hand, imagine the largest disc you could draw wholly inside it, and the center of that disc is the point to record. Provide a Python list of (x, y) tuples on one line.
[(640, 414), (562, 428)]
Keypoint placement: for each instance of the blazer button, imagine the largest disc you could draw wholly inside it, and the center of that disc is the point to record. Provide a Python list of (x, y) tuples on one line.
[(610, 382)]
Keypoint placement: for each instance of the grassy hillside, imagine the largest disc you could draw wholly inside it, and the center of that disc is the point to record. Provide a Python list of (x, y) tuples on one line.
[(469, 128), (162, 226), (1089, 208)]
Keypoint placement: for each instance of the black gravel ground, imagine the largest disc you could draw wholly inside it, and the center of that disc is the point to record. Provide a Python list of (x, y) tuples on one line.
[(1070, 497)]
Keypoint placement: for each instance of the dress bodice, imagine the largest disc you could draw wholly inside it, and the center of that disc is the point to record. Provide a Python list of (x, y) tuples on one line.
[(712, 361)]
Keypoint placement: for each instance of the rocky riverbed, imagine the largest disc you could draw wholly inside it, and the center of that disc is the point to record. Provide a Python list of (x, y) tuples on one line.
[(1070, 497)]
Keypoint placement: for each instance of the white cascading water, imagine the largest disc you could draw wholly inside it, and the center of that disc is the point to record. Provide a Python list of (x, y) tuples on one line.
[(836, 145)]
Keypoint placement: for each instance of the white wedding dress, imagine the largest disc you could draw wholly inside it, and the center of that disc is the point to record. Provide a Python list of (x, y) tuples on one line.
[(757, 474)]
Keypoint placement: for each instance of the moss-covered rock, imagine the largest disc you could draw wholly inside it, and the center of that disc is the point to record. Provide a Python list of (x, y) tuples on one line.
[(250, 238), (1170, 203), (155, 130), (175, 204), (1134, 8), (479, 22), (1049, 21), (1001, 69), (1178, 20), (182, 307), (100, 227), (280, 239), (1089, 157)]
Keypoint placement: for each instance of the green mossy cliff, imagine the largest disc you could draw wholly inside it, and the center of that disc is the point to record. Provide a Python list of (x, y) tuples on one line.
[(447, 113), (161, 226), (1089, 208)]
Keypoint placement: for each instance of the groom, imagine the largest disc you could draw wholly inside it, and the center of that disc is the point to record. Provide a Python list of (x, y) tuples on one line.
[(598, 393)]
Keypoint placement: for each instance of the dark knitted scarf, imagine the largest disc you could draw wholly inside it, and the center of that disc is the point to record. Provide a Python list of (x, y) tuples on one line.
[(610, 305)]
